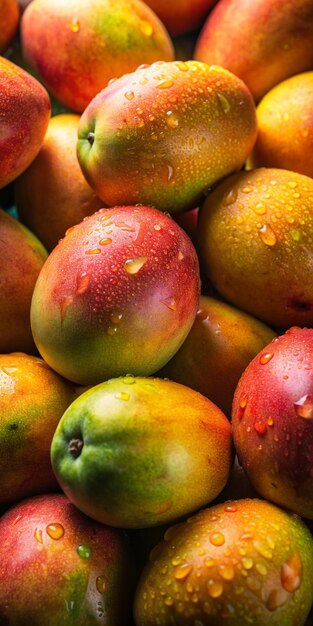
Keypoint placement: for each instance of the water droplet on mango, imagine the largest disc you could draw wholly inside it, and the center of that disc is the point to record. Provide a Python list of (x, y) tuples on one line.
[(132, 266)]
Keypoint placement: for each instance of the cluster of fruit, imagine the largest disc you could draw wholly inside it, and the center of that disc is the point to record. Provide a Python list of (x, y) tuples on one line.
[(156, 312)]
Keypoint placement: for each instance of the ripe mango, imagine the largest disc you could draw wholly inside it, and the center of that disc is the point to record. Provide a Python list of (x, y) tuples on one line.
[(256, 239), (77, 46), (263, 42), (165, 133), (137, 452), (239, 562), (9, 19), (285, 123), (118, 295)]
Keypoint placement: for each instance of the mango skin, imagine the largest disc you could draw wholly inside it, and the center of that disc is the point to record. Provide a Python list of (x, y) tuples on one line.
[(285, 123), (118, 295), (183, 16), (164, 134), (52, 194), (281, 45), (9, 20), (145, 443), (24, 117), (76, 47), (33, 398), (272, 421), (44, 580), (255, 236), (22, 257), (219, 346), (242, 561)]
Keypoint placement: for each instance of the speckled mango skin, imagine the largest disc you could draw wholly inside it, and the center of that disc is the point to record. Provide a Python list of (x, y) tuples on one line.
[(239, 562), (181, 16), (9, 19), (43, 580), (219, 346), (53, 194), (24, 117), (118, 295), (153, 451), (22, 257), (281, 45), (77, 46), (285, 123), (33, 398), (255, 236), (163, 134), (272, 421)]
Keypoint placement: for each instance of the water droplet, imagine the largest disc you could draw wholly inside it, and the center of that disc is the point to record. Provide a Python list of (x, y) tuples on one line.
[(55, 531), (84, 552), (266, 357), (260, 427), (105, 242), (215, 588), (276, 599), (169, 601), (182, 571), (157, 227), (38, 535), (247, 563), (75, 25), (304, 407), (182, 66), (93, 251), (122, 395), (83, 281), (165, 84), (263, 549), (100, 584), (170, 303), (132, 266), (180, 255), (261, 569), (230, 197), (230, 508), (111, 330), (17, 519), (64, 304), (270, 421), (242, 405), (146, 28), (227, 571), (267, 235), (260, 208), (217, 539), (116, 317), (172, 119), (129, 95), (69, 230), (129, 379), (223, 102)]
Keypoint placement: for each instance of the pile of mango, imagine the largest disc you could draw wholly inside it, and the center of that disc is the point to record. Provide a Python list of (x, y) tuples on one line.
[(156, 313)]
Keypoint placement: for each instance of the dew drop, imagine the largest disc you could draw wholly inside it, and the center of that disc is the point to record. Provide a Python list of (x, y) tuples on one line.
[(267, 235), (266, 357), (223, 102), (122, 395), (260, 208), (260, 427), (209, 562), (111, 330), (180, 255), (129, 95), (295, 235), (129, 379), (215, 588), (165, 84), (17, 519), (227, 571), (157, 227), (170, 303), (105, 242), (304, 407), (230, 197), (182, 571), (169, 601), (132, 266), (75, 25), (116, 317), (291, 573), (243, 400), (247, 563), (38, 535), (93, 251), (217, 539), (83, 281), (69, 230), (100, 584), (55, 531), (182, 66), (84, 552), (230, 508), (270, 421), (276, 599), (172, 119)]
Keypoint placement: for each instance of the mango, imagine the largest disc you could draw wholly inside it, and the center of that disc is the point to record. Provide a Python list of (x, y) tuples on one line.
[(163, 134), (285, 123), (33, 398), (77, 46), (9, 20), (219, 346), (22, 257), (255, 236), (118, 295), (136, 452), (58, 567), (239, 562), (24, 117), (181, 16), (52, 194), (263, 42), (272, 421)]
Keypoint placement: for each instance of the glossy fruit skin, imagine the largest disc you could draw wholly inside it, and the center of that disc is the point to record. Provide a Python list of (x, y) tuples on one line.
[(77, 46), (118, 295), (272, 421), (183, 16), (22, 257), (255, 236), (70, 579), (165, 133), (243, 561), (285, 121), (9, 19), (280, 46), (143, 444), (33, 399), (52, 194), (24, 115), (221, 343)]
